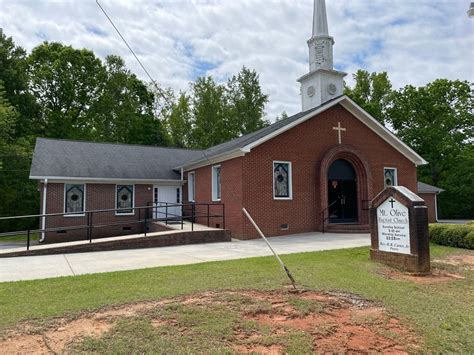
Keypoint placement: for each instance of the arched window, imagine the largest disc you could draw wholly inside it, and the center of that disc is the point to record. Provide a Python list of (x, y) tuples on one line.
[(74, 199), (125, 199), (282, 180)]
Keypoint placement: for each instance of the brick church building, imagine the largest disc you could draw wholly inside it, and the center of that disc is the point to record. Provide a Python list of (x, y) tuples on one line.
[(317, 170)]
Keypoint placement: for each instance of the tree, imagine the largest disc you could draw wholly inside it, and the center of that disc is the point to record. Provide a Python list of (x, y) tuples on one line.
[(13, 74), (178, 122), (282, 117), (246, 102), (211, 124), (18, 193), (372, 92), (65, 82), (458, 199), (124, 111), (436, 120)]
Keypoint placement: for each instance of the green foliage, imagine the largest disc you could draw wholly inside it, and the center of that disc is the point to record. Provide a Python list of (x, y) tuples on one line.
[(124, 111), (282, 117), (437, 120), (372, 91), (458, 199), (58, 91), (65, 82), (222, 112), (246, 102), (210, 119), (178, 122), (15, 159), (454, 235)]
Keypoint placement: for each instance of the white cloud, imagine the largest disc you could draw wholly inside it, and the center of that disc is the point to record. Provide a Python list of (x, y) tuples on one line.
[(415, 41)]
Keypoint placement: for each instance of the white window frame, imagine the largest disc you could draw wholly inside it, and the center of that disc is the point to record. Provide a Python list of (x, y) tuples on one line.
[(192, 187), (117, 213), (290, 180), (395, 175), (72, 214), (214, 187)]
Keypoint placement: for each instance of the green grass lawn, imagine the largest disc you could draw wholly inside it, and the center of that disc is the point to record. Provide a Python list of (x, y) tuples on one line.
[(19, 238), (442, 314)]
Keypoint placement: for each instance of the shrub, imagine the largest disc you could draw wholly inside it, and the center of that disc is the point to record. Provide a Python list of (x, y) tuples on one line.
[(453, 235)]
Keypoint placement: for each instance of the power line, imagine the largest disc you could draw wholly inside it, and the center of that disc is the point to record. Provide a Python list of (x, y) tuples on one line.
[(160, 91)]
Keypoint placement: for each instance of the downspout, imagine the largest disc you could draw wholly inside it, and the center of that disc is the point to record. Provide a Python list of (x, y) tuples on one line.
[(182, 186), (436, 206), (43, 212)]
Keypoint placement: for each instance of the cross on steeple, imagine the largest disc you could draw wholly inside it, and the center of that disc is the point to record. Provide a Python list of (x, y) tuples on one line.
[(339, 130), (392, 201)]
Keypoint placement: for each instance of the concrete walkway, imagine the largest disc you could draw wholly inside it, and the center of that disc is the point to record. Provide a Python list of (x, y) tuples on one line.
[(41, 267)]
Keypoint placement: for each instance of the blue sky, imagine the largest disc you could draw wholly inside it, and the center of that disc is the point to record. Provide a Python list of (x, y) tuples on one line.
[(416, 41)]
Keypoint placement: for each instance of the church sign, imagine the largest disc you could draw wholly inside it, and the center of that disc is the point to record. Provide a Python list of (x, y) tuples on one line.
[(393, 227), (399, 230)]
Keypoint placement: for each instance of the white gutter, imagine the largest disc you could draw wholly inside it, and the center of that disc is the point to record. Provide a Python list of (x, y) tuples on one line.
[(43, 219)]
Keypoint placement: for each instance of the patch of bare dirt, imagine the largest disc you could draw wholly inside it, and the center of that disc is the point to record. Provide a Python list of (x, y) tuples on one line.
[(341, 323), (464, 261), (435, 276)]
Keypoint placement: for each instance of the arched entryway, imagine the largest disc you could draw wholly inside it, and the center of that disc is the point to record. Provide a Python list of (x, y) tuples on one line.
[(342, 192), (352, 168)]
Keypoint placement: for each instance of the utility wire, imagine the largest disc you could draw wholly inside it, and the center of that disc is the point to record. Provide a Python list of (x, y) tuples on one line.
[(160, 91)]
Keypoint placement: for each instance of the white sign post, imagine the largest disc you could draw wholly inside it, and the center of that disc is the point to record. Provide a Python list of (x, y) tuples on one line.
[(393, 227)]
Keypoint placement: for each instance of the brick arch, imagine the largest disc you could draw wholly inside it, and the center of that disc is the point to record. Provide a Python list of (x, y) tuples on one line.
[(364, 177)]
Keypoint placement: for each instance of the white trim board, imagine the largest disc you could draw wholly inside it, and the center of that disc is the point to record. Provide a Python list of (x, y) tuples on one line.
[(87, 180)]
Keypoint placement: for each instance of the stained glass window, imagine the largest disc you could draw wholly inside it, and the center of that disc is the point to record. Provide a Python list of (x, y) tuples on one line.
[(74, 199), (390, 177), (125, 199), (281, 180)]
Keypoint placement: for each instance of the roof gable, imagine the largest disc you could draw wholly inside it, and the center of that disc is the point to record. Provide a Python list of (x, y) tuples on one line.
[(245, 144)]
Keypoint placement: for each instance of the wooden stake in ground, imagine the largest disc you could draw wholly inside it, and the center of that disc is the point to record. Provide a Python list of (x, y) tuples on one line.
[(288, 273)]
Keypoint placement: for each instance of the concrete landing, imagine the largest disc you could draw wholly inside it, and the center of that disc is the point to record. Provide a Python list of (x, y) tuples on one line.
[(41, 267)]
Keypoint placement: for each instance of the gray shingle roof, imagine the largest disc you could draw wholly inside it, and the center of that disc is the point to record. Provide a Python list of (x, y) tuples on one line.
[(62, 158), (425, 188), (241, 142)]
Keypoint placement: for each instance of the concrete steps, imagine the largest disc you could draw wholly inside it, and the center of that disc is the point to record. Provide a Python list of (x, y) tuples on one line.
[(347, 228)]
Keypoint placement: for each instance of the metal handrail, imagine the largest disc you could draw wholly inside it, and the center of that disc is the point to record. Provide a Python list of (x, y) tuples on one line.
[(89, 226), (323, 213)]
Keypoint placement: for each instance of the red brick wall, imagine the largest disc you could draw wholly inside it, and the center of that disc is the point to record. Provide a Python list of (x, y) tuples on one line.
[(306, 146), (247, 181), (98, 197), (431, 204), (231, 194)]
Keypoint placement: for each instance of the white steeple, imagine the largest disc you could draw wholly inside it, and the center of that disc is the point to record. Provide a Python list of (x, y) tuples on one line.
[(322, 83)]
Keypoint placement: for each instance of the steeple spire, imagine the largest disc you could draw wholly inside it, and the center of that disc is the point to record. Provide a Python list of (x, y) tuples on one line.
[(322, 83), (320, 44), (320, 20)]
